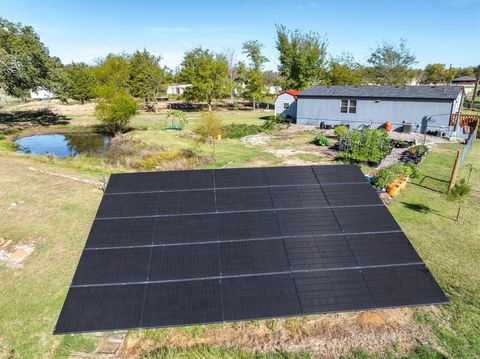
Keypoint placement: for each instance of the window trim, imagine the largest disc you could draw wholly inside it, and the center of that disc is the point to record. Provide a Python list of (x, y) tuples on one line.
[(348, 105)]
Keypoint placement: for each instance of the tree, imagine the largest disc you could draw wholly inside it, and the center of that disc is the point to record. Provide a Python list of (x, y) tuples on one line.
[(435, 73), (115, 111), (147, 78), (302, 57), (229, 55), (80, 82), (391, 63), (209, 127), (25, 62), (208, 74), (112, 75), (344, 70), (459, 194), (254, 85)]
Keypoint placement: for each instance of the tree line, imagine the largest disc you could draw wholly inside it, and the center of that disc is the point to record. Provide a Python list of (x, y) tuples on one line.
[(25, 64)]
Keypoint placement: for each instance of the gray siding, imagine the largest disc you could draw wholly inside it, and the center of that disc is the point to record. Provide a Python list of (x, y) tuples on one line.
[(291, 110), (312, 111)]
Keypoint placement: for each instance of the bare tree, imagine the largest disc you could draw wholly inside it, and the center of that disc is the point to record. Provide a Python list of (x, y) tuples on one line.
[(229, 55)]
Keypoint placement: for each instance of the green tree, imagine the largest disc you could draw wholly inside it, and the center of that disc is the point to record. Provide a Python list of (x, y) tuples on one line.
[(208, 74), (391, 63), (80, 82), (255, 89), (25, 62), (434, 73), (115, 111), (209, 128), (344, 70), (147, 78), (302, 57), (112, 75), (459, 194)]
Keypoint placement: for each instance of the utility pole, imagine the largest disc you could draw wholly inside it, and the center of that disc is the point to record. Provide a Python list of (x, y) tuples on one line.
[(475, 88)]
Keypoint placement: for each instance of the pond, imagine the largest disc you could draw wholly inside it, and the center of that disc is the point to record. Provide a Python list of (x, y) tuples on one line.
[(63, 145)]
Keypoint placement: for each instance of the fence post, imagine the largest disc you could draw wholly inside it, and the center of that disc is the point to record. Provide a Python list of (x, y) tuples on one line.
[(453, 177)]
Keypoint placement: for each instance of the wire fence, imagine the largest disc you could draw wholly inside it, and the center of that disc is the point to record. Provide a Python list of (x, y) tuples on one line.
[(468, 146)]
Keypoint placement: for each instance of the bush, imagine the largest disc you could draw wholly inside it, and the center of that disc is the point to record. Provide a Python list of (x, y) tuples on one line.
[(238, 130), (369, 145), (391, 173), (340, 131), (209, 125), (321, 140), (275, 123), (115, 112), (418, 150)]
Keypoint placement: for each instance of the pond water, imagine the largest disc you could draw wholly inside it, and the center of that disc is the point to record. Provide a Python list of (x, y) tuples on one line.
[(63, 145)]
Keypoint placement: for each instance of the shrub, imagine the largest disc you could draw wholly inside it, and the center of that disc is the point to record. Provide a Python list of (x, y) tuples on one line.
[(115, 112), (391, 173), (275, 123), (340, 131), (321, 140), (419, 150), (369, 145), (209, 125), (238, 130)]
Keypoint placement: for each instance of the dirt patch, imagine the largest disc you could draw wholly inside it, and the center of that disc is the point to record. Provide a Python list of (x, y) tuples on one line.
[(325, 336), (258, 139), (13, 255)]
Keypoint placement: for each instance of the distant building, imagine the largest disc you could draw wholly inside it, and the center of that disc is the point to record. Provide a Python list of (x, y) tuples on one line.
[(273, 90), (286, 104), (177, 89), (41, 94), (423, 108), (467, 82)]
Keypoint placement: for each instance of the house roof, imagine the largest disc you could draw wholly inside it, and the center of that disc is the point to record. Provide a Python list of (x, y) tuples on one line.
[(464, 79), (293, 93), (400, 92)]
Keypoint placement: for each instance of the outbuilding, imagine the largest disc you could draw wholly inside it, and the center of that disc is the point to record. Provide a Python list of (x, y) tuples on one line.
[(41, 93), (419, 108), (177, 89), (467, 82), (286, 104)]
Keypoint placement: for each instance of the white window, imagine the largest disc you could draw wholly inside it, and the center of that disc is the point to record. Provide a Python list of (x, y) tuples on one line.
[(286, 105), (348, 106)]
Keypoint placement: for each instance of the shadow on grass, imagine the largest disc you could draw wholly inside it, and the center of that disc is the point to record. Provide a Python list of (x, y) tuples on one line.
[(421, 208), (42, 118), (432, 184)]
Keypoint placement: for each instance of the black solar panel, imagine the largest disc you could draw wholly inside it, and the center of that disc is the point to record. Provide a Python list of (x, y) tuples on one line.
[(259, 297), (250, 257), (113, 266), (195, 247), (184, 262)]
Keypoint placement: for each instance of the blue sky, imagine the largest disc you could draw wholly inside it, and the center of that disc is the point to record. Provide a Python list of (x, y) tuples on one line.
[(446, 31)]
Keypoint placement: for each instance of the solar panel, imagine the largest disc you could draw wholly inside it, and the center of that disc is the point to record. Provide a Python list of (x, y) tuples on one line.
[(208, 246)]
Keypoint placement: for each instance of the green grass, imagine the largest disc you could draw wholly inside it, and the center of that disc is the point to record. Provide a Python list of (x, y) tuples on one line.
[(309, 157), (207, 352), (451, 250), (74, 343)]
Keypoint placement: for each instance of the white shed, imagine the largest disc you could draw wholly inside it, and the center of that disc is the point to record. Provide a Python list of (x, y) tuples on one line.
[(286, 104), (177, 89), (41, 94)]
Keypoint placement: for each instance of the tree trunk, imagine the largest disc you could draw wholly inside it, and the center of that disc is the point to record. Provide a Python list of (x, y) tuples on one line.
[(81, 101), (253, 105)]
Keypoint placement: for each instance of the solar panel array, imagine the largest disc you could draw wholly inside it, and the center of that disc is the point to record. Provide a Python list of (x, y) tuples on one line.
[(195, 247)]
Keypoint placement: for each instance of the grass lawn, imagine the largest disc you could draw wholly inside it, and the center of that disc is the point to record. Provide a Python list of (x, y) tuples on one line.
[(55, 213), (451, 250)]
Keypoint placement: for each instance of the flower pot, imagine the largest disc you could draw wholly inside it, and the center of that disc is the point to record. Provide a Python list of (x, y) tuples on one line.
[(393, 189)]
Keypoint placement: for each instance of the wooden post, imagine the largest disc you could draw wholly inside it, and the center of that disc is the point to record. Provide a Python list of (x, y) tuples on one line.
[(453, 178)]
